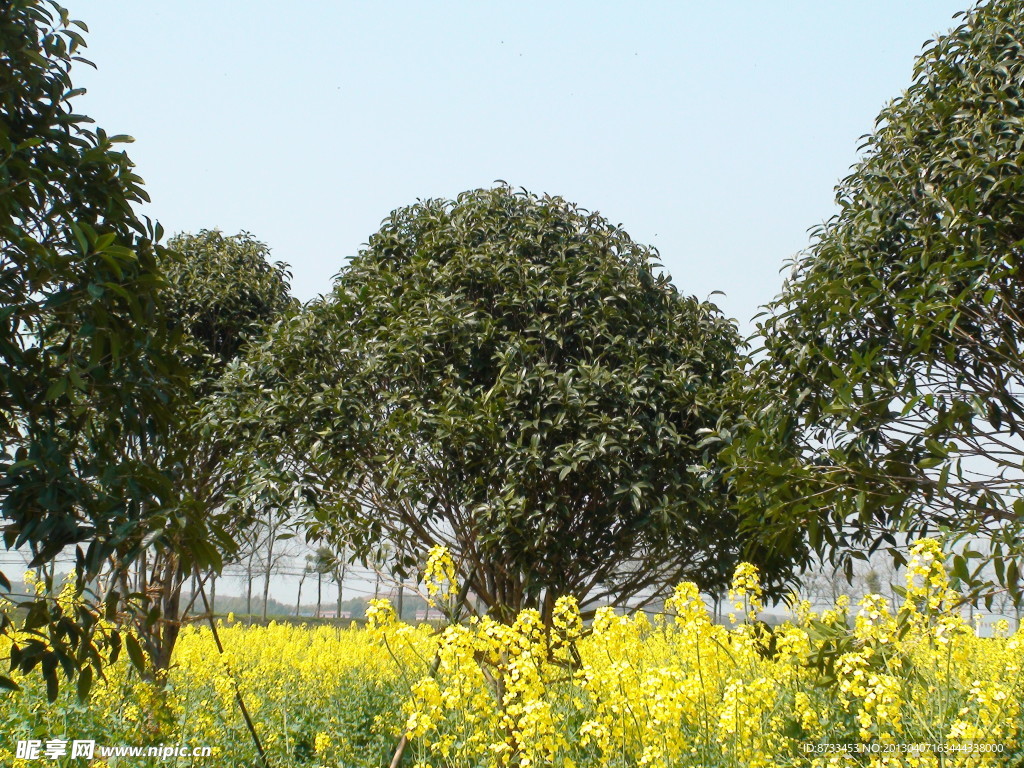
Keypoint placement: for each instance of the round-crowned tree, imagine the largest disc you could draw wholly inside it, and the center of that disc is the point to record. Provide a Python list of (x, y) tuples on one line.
[(514, 378), (888, 401), (220, 294), (85, 371)]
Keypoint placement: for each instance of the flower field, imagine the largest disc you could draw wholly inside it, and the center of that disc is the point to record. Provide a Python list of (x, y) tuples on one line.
[(856, 685)]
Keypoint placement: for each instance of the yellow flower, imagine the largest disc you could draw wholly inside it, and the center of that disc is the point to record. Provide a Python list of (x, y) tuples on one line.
[(745, 593), (439, 575), (626, 691), (321, 743)]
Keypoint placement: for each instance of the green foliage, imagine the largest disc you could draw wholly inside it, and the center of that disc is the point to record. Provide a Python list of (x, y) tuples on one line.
[(888, 399), (77, 276), (514, 378), (222, 292), (83, 370)]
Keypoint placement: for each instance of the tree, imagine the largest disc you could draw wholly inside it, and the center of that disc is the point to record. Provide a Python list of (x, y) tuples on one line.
[(823, 584), (515, 379), (222, 293), (84, 368), (338, 572), (306, 570), (273, 552), (328, 561), (249, 547), (322, 562), (887, 404)]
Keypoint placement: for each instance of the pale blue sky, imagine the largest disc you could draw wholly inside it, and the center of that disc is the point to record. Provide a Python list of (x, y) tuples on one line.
[(713, 131)]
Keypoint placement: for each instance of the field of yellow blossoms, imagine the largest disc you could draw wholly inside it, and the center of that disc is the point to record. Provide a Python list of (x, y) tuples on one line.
[(856, 685)]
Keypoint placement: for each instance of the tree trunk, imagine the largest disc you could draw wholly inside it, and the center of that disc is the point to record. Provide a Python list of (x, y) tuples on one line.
[(266, 592), (341, 584), (124, 579), (213, 593), (298, 600), (400, 601), (170, 613), (140, 577), (319, 591), (248, 591), (266, 574)]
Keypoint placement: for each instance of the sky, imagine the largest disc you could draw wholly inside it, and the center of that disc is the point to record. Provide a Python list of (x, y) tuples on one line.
[(715, 132)]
